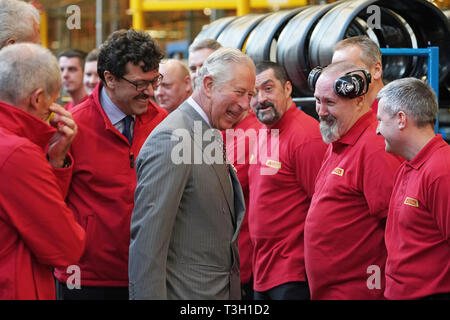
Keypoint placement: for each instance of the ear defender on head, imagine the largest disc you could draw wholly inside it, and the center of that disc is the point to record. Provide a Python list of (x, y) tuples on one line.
[(350, 85), (313, 76)]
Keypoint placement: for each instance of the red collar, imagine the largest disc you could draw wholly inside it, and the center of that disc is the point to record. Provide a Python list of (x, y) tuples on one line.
[(23, 124), (434, 144), (352, 136), (285, 118)]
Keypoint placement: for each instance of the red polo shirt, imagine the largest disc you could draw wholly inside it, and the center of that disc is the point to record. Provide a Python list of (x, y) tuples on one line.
[(239, 145), (418, 225), (374, 106), (281, 188), (344, 229)]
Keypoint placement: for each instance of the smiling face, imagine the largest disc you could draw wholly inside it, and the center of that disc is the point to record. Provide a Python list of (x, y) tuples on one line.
[(229, 101), (336, 114), (273, 98), (388, 128), (124, 94)]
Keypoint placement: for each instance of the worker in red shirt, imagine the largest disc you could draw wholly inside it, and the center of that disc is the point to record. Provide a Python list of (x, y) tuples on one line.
[(283, 168), (418, 224), (344, 230), (71, 63), (239, 143), (37, 229), (365, 53), (114, 123)]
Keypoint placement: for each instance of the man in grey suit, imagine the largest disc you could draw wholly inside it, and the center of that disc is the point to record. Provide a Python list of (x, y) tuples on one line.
[(188, 202)]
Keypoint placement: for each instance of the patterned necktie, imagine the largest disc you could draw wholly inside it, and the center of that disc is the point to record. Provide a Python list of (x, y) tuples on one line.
[(224, 152), (127, 121)]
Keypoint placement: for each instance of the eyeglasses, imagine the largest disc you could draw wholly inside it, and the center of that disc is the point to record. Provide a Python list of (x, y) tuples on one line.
[(142, 85)]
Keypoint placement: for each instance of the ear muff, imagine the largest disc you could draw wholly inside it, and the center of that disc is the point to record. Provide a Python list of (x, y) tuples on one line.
[(313, 76), (350, 85)]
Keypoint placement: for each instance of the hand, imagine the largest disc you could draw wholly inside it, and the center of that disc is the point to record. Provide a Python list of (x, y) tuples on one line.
[(67, 129)]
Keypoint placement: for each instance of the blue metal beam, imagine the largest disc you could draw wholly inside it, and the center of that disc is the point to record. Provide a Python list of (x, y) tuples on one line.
[(433, 66)]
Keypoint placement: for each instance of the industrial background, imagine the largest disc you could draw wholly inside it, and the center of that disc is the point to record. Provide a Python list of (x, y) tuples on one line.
[(299, 34)]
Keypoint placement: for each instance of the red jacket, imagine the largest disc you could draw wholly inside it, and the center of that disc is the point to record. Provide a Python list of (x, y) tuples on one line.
[(37, 229), (101, 194)]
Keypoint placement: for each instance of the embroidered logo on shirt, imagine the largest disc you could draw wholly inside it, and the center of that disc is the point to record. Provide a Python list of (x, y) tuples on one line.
[(273, 164), (411, 202), (338, 172)]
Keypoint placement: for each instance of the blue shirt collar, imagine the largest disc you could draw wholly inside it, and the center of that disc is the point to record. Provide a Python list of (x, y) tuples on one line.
[(114, 114)]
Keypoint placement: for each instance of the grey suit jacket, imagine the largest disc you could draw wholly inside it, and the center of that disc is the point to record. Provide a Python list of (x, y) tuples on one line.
[(187, 215)]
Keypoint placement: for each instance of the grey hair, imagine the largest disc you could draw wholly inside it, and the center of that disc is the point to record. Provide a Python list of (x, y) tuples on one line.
[(412, 96), (217, 65), (16, 21), (205, 43), (370, 52), (25, 67)]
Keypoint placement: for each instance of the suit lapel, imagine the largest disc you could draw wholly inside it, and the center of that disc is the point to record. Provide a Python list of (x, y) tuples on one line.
[(221, 170)]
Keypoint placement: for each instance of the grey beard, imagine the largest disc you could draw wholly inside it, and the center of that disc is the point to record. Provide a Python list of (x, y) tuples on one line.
[(329, 129)]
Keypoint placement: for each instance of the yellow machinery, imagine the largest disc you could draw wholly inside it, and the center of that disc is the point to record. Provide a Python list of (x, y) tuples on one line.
[(138, 7)]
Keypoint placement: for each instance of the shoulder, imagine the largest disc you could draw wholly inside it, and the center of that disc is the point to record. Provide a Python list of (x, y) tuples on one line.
[(303, 129), (438, 165), (87, 108), (175, 120), (19, 153), (370, 141)]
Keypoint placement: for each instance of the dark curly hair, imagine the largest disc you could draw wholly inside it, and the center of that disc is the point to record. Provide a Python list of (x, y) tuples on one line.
[(125, 46)]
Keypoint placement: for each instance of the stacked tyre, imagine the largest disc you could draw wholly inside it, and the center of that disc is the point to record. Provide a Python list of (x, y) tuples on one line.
[(303, 38)]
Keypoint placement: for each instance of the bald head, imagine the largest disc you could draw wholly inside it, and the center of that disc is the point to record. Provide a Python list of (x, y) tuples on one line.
[(175, 86), (337, 114), (339, 68)]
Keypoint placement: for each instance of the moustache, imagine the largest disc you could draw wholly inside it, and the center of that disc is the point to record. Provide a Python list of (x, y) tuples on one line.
[(142, 96), (329, 119), (264, 105)]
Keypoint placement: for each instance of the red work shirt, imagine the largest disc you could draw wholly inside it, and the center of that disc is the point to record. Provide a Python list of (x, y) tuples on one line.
[(374, 106), (344, 229), (281, 188), (418, 226), (101, 194), (242, 139), (37, 229)]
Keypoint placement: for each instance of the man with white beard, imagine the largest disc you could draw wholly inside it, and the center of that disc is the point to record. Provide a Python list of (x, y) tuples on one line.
[(344, 229)]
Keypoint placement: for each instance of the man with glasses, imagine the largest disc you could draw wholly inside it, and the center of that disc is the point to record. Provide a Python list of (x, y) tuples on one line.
[(113, 124)]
